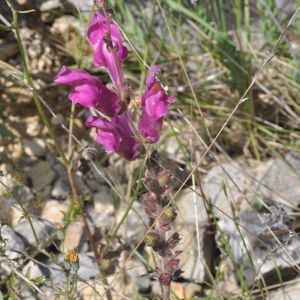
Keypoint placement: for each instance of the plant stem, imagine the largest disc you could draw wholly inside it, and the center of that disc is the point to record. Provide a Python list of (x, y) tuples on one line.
[(46, 122), (166, 288)]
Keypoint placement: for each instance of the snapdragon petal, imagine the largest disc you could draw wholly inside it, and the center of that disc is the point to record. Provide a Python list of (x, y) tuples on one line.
[(155, 107), (150, 127), (155, 99), (71, 76), (88, 91), (116, 136), (103, 56), (154, 103), (107, 133)]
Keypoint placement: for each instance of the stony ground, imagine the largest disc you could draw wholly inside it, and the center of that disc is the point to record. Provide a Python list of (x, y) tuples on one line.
[(34, 186)]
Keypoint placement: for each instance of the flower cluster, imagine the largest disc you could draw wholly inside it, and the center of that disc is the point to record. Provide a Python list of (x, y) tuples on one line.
[(115, 124), (158, 206)]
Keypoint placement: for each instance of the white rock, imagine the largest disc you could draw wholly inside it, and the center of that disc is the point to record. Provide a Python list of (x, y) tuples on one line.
[(61, 189), (191, 208), (25, 194), (13, 243), (35, 147), (16, 215), (87, 267), (290, 291), (227, 185), (280, 181), (104, 201), (41, 175), (136, 223), (32, 270), (33, 125), (42, 230), (53, 211)]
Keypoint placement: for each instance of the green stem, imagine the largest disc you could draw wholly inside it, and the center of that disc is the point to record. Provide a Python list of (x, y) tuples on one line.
[(46, 121), (28, 80), (25, 213), (116, 229)]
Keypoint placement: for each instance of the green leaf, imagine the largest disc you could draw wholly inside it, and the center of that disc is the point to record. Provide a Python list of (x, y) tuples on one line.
[(4, 131)]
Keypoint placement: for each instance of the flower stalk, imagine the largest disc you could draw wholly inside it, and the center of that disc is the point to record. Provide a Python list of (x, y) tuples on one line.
[(45, 119), (159, 208), (126, 131)]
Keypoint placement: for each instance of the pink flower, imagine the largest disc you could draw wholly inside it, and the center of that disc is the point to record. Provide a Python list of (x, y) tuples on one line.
[(155, 100), (116, 136), (150, 127), (99, 40), (88, 91), (155, 103)]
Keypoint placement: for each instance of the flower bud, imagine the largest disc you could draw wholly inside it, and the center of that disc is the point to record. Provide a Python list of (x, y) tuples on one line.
[(154, 240), (101, 4), (173, 240), (165, 278), (71, 261), (172, 265), (67, 264), (150, 202), (152, 185), (163, 178), (152, 163), (169, 214)]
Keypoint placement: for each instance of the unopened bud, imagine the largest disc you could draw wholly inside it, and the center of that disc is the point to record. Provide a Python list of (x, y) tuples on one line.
[(173, 240), (154, 240), (169, 215), (150, 201), (71, 261), (163, 178), (165, 278), (172, 265), (101, 4), (152, 163), (152, 185)]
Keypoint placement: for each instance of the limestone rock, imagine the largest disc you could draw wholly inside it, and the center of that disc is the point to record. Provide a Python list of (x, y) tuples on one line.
[(53, 211), (13, 244), (226, 185), (281, 181), (43, 231), (268, 238), (61, 189), (35, 148), (191, 208), (104, 201), (290, 291), (41, 175)]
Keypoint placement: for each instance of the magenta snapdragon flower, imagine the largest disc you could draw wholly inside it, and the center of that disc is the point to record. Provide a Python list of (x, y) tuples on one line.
[(113, 130), (116, 136), (150, 127), (102, 43), (154, 103), (88, 91)]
